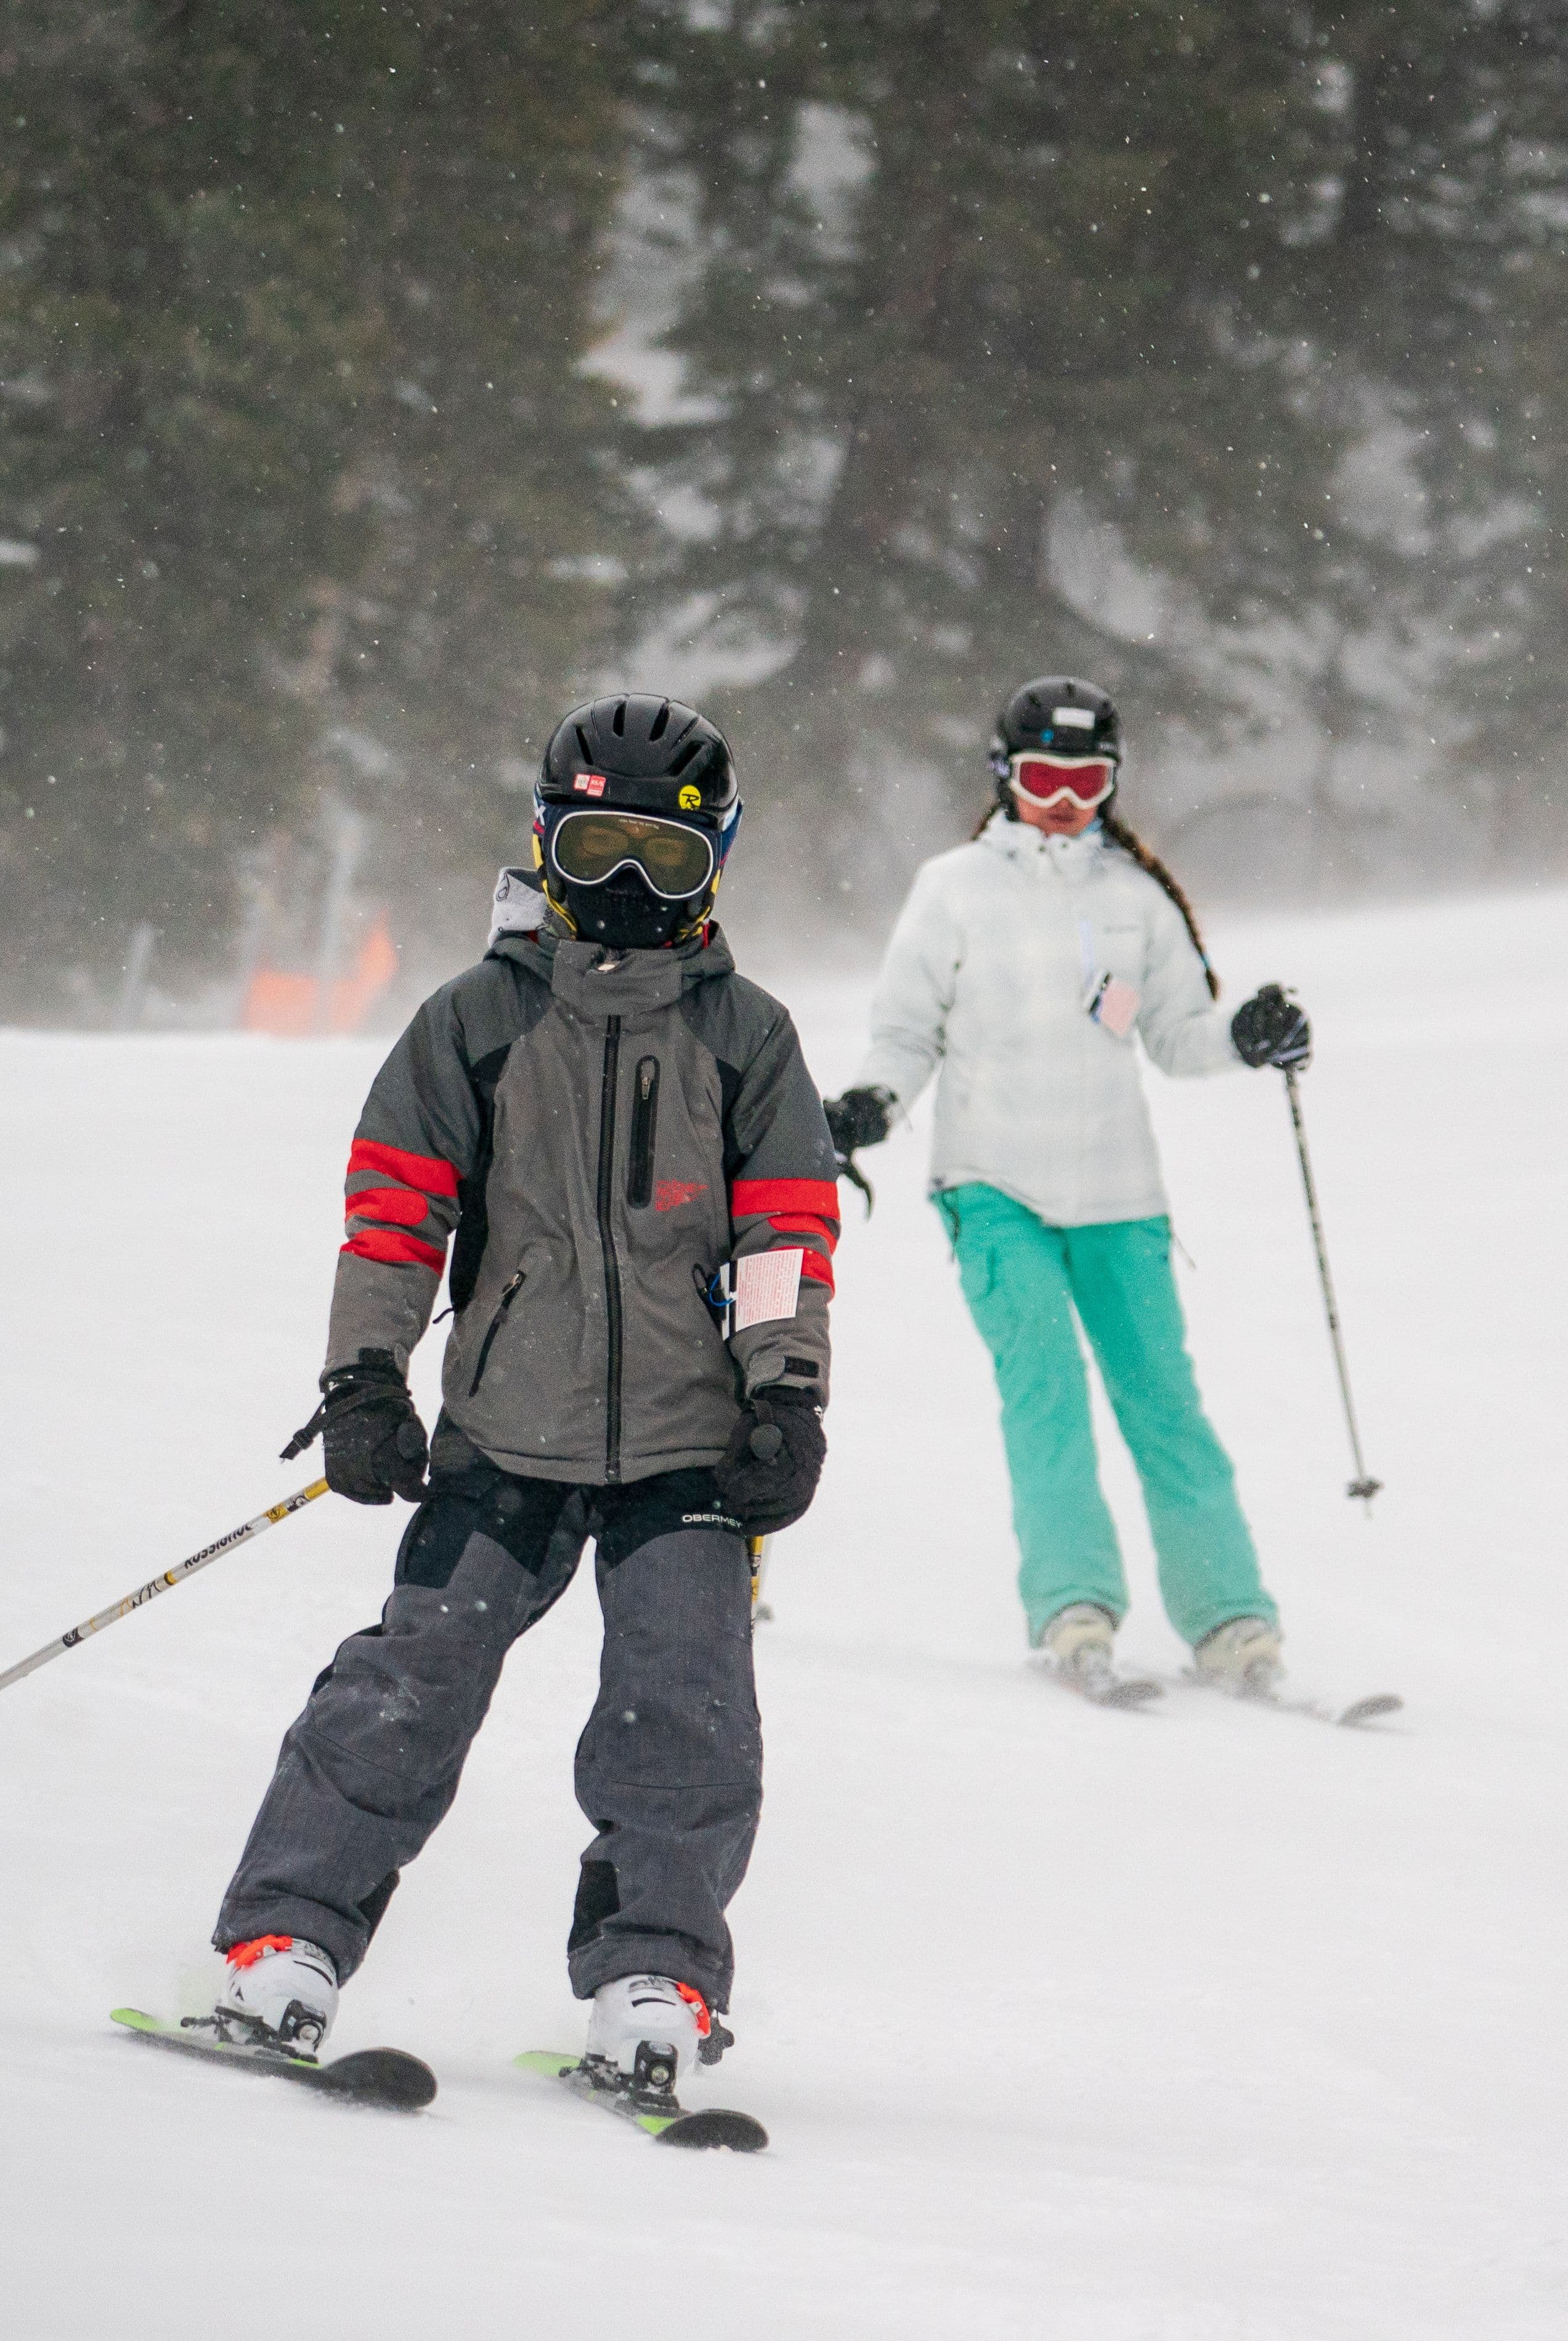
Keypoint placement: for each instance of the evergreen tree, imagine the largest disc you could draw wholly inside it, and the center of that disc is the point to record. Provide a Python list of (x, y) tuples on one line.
[(1038, 313), (1141, 342), (302, 486)]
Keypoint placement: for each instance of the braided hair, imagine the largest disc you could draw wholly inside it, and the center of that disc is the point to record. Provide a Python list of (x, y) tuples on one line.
[(1117, 833)]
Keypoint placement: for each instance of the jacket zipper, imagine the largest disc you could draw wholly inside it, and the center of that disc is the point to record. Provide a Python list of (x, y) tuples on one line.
[(644, 1123), (606, 1243), (508, 1295)]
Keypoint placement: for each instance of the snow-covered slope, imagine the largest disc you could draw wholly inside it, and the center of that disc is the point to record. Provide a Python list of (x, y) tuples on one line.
[(1178, 2026)]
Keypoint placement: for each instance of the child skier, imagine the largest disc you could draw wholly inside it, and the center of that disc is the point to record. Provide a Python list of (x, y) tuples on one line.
[(1023, 964), (615, 1126)]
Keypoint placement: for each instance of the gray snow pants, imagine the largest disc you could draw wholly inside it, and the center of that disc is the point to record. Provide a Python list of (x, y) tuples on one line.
[(669, 1771)]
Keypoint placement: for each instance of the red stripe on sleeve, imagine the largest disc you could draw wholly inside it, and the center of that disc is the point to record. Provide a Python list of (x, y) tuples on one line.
[(427, 1172), (806, 1223), (817, 1270), (397, 1207), (785, 1195), (390, 1244)]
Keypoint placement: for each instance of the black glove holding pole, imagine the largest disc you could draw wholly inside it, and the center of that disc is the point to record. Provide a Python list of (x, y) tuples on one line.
[(1270, 1029), (769, 1472), (374, 1442)]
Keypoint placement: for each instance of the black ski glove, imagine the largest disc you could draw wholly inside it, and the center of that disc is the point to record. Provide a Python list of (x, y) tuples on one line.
[(859, 1118), (374, 1442), (1270, 1029), (769, 1470)]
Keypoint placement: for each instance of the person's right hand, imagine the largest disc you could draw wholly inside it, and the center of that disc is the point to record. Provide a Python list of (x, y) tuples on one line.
[(374, 1441), (859, 1118)]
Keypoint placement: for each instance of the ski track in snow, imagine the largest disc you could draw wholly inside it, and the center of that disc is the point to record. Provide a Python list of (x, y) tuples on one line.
[(1197, 2024)]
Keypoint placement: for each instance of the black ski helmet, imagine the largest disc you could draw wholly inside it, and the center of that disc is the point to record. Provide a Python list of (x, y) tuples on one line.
[(1065, 716), (634, 751)]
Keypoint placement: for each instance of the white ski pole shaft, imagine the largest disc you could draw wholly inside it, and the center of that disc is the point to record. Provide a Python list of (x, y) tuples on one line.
[(1363, 1485), (175, 1576)]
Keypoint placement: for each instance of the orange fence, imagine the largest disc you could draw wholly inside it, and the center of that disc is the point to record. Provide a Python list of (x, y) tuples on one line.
[(290, 1005)]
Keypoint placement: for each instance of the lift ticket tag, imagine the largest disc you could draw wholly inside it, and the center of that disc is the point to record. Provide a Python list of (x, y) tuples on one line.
[(763, 1286), (1106, 999), (1114, 1004)]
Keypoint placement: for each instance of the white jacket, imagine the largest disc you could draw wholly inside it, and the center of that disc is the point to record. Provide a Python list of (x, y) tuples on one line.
[(986, 975)]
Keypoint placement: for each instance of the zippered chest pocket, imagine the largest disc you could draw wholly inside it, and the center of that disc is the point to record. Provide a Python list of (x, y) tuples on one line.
[(644, 1132)]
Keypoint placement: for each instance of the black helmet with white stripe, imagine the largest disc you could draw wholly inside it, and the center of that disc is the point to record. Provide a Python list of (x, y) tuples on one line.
[(1061, 714)]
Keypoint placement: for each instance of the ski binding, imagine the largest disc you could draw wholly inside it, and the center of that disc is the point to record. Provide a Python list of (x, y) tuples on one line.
[(653, 2111)]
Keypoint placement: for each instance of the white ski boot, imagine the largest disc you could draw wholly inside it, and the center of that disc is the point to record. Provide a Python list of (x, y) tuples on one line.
[(645, 2032), (281, 1993), (1241, 1657), (1080, 1641)]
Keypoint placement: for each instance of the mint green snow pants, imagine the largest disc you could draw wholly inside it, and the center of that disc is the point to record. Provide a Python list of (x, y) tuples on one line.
[(1023, 1280)]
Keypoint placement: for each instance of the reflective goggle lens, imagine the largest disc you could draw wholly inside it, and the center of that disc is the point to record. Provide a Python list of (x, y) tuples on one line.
[(590, 847), (1044, 779)]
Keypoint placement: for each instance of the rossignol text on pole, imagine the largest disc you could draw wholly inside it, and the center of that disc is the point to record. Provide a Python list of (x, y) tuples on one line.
[(1363, 1485), (175, 1576)]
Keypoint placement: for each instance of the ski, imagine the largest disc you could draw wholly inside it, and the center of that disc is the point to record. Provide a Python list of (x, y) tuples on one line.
[(707, 2125), (1123, 1691), (1359, 1710), (1116, 1690), (386, 2078)]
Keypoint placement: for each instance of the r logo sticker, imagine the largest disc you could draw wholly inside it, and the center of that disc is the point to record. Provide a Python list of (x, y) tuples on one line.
[(691, 798)]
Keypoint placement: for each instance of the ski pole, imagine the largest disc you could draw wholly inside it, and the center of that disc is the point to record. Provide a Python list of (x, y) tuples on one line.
[(757, 1549), (1363, 1485), (175, 1576)]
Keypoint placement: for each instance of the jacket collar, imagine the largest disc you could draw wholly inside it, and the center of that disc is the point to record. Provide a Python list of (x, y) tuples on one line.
[(1018, 842), (597, 983)]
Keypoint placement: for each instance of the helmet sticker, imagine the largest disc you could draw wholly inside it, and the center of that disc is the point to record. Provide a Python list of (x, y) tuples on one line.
[(591, 784), (689, 799), (1076, 719)]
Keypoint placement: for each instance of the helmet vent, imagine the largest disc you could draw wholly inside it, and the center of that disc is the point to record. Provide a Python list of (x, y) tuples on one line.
[(582, 743), (661, 720), (677, 763), (618, 723)]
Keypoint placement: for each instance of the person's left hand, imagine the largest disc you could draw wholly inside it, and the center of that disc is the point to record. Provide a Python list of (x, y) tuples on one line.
[(769, 1472)]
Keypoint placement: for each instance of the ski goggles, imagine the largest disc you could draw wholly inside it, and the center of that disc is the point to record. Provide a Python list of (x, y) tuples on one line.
[(1045, 780), (589, 848)]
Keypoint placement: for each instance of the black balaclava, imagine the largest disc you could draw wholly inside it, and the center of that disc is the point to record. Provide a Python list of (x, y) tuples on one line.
[(624, 913)]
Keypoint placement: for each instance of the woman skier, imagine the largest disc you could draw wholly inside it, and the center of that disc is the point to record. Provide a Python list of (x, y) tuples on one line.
[(621, 1133), (1022, 965)]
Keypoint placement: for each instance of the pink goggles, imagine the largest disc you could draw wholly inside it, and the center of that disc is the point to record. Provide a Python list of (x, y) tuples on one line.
[(1047, 779)]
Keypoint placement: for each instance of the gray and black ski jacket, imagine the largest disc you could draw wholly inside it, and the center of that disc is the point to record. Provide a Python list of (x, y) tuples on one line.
[(600, 1138)]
